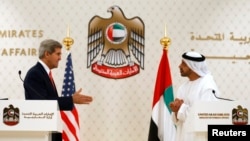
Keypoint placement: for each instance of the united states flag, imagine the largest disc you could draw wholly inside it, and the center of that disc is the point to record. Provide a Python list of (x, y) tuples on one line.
[(70, 119)]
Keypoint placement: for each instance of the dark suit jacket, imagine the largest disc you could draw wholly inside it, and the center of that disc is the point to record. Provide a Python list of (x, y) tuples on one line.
[(37, 86)]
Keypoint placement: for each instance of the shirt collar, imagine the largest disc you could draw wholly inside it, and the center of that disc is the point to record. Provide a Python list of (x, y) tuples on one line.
[(44, 66)]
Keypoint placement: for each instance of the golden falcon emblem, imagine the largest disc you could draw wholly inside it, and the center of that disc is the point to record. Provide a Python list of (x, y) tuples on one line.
[(115, 45)]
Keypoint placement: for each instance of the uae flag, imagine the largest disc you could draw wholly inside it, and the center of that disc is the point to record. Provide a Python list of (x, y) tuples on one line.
[(162, 127), (116, 32)]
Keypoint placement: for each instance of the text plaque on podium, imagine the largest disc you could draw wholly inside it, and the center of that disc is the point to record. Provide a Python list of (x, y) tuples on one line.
[(28, 119), (204, 113), (218, 113)]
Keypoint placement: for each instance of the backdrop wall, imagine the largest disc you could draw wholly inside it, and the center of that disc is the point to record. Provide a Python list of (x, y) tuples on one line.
[(121, 109)]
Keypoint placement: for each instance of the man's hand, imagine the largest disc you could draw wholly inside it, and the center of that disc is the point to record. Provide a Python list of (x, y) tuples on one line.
[(176, 104), (79, 98)]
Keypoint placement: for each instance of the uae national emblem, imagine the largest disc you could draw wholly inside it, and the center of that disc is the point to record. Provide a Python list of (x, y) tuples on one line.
[(115, 45), (240, 116), (11, 115)]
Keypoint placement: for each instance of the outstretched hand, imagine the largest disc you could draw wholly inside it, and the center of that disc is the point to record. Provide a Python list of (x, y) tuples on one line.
[(79, 98)]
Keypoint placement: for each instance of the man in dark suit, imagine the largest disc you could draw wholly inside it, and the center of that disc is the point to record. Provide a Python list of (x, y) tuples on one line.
[(39, 86)]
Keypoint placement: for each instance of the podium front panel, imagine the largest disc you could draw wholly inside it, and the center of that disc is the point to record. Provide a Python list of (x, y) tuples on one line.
[(29, 115), (221, 112)]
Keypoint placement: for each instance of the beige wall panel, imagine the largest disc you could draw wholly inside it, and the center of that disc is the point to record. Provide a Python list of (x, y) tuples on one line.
[(121, 109)]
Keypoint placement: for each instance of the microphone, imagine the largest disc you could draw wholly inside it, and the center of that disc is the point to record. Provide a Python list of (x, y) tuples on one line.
[(28, 86), (19, 73), (213, 91)]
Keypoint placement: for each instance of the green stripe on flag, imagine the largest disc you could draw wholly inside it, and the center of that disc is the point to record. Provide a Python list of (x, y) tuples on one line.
[(168, 97), (117, 26)]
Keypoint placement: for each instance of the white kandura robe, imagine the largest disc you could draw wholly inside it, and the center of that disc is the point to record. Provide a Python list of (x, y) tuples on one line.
[(192, 91)]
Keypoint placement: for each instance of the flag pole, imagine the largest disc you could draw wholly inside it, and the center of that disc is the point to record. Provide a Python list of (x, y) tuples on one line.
[(68, 41), (70, 119), (162, 128), (165, 41)]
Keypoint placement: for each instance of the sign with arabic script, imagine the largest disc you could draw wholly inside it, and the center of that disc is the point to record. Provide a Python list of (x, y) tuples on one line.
[(29, 115)]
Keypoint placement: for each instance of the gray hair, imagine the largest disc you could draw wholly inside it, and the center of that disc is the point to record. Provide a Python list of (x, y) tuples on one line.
[(48, 45)]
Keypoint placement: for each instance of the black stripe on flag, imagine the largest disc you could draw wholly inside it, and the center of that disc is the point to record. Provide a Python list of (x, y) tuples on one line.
[(153, 132)]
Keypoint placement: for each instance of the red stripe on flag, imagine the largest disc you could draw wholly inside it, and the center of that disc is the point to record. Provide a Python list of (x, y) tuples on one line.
[(64, 136), (163, 79), (74, 111), (70, 123), (110, 33)]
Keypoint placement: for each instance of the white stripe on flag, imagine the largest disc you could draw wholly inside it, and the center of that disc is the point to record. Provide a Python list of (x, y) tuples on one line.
[(66, 129), (162, 118), (118, 33)]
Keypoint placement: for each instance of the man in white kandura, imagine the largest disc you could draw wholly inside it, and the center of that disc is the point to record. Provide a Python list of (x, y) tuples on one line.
[(200, 87)]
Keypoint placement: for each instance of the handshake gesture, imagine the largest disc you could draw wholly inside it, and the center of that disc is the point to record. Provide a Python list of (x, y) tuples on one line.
[(79, 98)]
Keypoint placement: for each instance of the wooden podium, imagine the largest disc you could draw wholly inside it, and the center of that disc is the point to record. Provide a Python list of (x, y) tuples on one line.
[(203, 114), (28, 120)]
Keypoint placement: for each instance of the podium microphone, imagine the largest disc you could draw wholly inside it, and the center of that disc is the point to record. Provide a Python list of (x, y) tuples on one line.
[(28, 86), (19, 73), (213, 91)]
